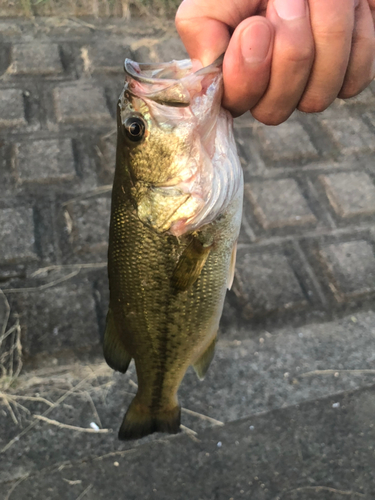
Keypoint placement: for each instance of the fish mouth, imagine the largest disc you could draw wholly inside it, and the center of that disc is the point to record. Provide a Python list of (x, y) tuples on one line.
[(170, 82)]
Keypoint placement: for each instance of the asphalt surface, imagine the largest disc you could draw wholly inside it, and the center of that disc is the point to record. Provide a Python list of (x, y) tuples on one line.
[(297, 329)]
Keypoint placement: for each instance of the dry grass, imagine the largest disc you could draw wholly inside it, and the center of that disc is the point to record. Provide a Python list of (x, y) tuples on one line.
[(95, 8), (10, 348)]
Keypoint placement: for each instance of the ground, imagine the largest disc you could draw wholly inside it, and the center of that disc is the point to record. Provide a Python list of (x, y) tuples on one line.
[(297, 329)]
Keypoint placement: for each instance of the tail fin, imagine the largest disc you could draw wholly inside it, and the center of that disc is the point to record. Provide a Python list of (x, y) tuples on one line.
[(140, 421)]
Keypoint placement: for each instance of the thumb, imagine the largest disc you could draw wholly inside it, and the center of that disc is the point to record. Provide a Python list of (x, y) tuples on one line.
[(204, 38), (205, 26)]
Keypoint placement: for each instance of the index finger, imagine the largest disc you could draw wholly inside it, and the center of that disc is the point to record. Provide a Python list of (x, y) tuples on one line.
[(205, 26)]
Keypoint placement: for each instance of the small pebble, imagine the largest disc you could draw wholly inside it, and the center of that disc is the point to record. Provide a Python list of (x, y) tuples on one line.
[(251, 427), (116, 464), (261, 340), (336, 405), (354, 319), (94, 426), (300, 335), (219, 444), (337, 374)]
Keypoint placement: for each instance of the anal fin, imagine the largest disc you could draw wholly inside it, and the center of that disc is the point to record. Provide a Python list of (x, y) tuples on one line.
[(204, 361), (115, 353), (190, 265)]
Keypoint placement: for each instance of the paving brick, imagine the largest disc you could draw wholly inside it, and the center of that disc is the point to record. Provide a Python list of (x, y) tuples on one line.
[(278, 203), (105, 57), (350, 134), (350, 193), (265, 282), (35, 59), (350, 268), (87, 222), (17, 242), (58, 318), (371, 118), (81, 103), (44, 161), (286, 142), (106, 150), (12, 108)]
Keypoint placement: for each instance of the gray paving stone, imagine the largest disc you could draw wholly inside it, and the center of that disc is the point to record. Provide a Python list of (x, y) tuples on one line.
[(35, 59), (106, 150), (171, 48), (105, 56), (249, 375), (371, 118), (265, 282), (80, 103), (286, 142), (88, 224), (44, 161), (12, 108), (58, 318), (350, 267), (279, 203), (314, 451), (350, 135), (350, 193), (17, 242)]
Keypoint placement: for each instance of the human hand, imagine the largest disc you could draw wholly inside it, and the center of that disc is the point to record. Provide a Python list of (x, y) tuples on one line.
[(283, 54)]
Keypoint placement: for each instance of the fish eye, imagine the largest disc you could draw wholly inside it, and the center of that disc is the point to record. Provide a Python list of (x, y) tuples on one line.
[(135, 128)]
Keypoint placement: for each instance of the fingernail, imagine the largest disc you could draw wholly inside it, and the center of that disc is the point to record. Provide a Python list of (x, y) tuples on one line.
[(290, 9), (255, 42)]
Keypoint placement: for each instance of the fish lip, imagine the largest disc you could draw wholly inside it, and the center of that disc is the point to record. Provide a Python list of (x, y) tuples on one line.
[(135, 70)]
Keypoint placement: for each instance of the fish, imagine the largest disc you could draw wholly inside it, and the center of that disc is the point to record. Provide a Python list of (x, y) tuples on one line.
[(175, 220)]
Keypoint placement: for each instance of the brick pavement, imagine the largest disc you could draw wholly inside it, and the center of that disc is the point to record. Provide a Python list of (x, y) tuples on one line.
[(306, 250)]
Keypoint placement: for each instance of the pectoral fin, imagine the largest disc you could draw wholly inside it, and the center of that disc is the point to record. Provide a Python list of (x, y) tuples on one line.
[(203, 362), (115, 353), (232, 267), (190, 265)]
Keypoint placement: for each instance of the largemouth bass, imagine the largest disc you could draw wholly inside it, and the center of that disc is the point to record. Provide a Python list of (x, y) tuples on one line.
[(176, 213)]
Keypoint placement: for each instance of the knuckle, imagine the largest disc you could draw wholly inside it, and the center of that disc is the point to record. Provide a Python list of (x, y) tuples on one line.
[(315, 104), (304, 53)]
